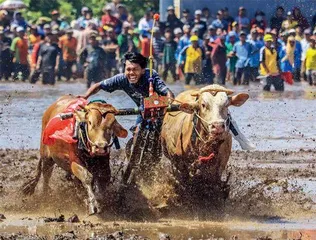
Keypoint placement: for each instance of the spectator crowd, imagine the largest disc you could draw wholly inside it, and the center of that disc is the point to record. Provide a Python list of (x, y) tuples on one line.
[(200, 46)]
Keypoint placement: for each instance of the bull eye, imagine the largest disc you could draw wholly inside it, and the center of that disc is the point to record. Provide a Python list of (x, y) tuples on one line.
[(89, 122), (203, 105)]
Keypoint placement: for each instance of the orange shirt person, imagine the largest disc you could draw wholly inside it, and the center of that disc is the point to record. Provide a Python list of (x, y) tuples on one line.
[(19, 47), (68, 46)]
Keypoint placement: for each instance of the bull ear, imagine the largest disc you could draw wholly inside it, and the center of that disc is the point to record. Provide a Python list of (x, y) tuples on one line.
[(80, 115), (239, 99), (188, 107), (119, 131)]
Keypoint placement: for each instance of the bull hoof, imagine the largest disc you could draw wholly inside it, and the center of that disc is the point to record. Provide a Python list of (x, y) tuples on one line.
[(94, 208)]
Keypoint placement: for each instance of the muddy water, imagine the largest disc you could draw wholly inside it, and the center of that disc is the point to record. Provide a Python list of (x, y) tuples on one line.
[(273, 191), (271, 121)]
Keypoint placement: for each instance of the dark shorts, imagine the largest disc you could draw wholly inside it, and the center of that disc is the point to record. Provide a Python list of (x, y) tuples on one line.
[(276, 81)]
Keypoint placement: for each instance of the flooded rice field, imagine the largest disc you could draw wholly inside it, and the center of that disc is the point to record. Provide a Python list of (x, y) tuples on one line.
[(272, 190)]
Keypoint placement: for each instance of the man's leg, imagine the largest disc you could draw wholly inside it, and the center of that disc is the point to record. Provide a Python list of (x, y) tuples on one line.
[(25, 71), (278, 83), (238, 75), (297, 74), (188, 77), (172, 68), (267, 87), (246, 75), (165, 71)]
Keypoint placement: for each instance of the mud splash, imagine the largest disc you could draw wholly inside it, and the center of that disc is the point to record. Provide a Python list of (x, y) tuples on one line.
[(271, 195)]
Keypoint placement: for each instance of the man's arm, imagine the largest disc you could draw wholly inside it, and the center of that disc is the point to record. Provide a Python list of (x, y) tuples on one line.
[(262, 59), (109, 85), (160, 86)]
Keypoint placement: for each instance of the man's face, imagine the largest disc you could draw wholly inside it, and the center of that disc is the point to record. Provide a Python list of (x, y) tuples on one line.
[(269, 44), (185, 15), (292, 43), (133, 72), (219, 16), (280, 12), (69, 35), (312, 43), (242, 38), (170, 12), (55, 16), (21, 34), (93, 41), (197, 17), (195, 44)]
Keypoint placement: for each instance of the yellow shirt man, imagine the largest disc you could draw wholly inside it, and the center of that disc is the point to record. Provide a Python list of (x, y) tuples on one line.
[(311, 59)]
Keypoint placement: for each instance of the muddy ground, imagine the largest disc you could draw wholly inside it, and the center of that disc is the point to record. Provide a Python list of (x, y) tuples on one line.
[(272, 194)]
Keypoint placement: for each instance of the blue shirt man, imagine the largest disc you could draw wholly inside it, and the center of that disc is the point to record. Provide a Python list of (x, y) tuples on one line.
[(243, 51)]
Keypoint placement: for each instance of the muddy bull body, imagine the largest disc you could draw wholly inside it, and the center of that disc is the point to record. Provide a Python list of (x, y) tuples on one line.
[(90, 164)]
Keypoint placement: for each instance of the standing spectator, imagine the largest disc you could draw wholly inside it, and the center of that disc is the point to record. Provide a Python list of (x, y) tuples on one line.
[(34, 37), (109, 20), (289, 23), (310, 62), (145, 24), (254, 61), (136, 40), (212, 33), (68, 45), (19, 47), (84, 35), (183, 42), (158, 42), (93, 58), (168, 56), (114, 6), (55, 18), (219, 59), (186, 18), (242, 20), (193, 55), (145, 46), (207, 62), (305, 45), (125, 41), (299, 33), (287, 55), (299, 18), (229, 19), (199, 24), (269, 65), (5, 56), (220, 22), (110, 47), (122, 14), (82, 18), (297, 57), (243, 51), (131, 20), (259, 20), (177, 34), (34, 57), (277, 20), (19, 20), (4, 20), (48, 59), (206, 16), (232, 59), (172, 20)]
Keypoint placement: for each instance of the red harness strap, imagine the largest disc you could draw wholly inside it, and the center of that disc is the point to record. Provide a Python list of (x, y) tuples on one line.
[(206, 159)]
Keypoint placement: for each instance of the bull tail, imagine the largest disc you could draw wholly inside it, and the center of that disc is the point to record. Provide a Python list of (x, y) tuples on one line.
[(28, 188)]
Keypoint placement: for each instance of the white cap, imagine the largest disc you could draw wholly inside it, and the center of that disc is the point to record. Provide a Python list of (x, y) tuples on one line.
[(198, 12), (177, 31), (126, 24), (20, 29), (186, 27)]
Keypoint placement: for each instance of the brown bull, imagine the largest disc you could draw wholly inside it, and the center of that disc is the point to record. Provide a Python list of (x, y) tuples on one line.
[(90, 165), (197, 140)]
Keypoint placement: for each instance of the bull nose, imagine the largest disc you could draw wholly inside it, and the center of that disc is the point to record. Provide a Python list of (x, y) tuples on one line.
[(218, 128)]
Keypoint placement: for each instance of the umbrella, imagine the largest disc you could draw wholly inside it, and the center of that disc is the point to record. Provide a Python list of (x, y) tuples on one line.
[(12, 5)]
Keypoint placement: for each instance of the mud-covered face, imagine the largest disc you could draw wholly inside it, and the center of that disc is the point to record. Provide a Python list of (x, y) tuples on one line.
[(133, 72)]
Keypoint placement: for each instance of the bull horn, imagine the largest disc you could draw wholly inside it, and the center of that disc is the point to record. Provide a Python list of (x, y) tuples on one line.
[(216, 90)]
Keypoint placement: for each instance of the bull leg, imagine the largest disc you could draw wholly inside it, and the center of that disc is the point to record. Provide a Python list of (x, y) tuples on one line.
[(86, 178), (48, 167), (29, 187)]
